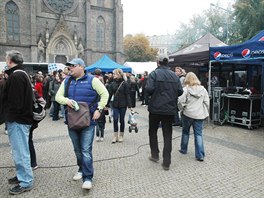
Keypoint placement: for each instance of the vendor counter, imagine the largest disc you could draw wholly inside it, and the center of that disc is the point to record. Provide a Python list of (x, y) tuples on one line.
[(240, 109)]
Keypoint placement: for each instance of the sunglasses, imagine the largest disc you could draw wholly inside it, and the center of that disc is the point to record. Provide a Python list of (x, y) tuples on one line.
[(73, 65)]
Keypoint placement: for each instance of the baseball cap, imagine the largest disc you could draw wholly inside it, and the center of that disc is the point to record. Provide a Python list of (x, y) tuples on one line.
[(161, 57), (76, 61)]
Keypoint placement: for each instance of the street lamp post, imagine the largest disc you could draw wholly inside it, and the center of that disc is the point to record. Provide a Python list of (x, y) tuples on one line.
[(227, 29)]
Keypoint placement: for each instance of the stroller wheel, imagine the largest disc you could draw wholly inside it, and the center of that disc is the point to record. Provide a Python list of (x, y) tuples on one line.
[(136, 129), (129, 129)]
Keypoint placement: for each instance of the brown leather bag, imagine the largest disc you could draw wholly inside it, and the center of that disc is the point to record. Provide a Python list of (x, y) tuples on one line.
[(80, 119)]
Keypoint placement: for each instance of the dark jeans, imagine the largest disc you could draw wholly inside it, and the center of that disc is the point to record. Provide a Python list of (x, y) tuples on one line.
[(166, 122), (32, 151), (100, 129), (177, 119), (56, 109), (145, 98), (133, 98), (121, 112)]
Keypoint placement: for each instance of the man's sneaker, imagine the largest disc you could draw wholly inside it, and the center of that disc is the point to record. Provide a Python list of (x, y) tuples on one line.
[(87, 185), (6, 132), (101, 139), (13, 180), (35, 167), (19, 189), (97, 139), (153, 159), (77, 176), (165, 167)]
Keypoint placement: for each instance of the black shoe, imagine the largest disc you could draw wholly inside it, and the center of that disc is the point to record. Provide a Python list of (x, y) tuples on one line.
[(200, 159), (19, 189), (153, 159), (182, 152), (13, 180), (165, 167)]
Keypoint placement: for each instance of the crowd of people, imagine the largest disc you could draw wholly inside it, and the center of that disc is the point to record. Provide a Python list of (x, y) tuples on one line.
[(171, 97)]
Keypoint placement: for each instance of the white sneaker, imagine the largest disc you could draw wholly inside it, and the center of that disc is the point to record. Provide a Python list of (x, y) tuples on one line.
[(101, 139), (87, 185), (97, 139), (77, 176), (6, 132)]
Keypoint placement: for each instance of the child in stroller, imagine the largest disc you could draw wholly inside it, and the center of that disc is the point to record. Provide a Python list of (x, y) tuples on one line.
[(132, 121)]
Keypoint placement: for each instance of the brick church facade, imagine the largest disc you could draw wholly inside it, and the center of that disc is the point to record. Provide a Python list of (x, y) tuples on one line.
[(55, 31)]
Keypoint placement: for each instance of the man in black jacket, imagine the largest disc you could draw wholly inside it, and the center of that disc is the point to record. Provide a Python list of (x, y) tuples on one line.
[(19, 117), (163, 87)]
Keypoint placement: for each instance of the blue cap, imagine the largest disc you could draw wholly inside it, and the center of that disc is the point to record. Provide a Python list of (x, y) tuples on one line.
[(76, 61)]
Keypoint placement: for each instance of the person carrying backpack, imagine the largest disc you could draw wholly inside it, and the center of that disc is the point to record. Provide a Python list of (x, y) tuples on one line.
[(19, 117)]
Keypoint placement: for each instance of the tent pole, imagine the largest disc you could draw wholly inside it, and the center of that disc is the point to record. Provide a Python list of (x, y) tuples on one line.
[(209, 79), (209, 89)]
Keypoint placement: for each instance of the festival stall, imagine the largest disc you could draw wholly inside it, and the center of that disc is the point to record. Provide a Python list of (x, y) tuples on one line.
[(195, 57), (198, 52), (240, 98), (106, 64)]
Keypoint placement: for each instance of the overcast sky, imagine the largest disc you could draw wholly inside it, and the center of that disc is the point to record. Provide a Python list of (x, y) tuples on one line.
[(157, 17)]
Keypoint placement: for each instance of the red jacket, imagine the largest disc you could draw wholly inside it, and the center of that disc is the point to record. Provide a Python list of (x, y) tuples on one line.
[(38, 87)]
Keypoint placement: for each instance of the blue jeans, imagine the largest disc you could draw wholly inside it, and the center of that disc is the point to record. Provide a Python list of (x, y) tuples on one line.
[(18, 135), (198, 135), (82, 141), (121, 112)]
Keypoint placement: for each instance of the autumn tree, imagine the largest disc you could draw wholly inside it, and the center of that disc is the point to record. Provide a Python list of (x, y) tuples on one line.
[(137, 49)]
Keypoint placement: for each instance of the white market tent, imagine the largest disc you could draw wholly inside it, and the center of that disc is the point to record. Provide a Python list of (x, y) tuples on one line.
[(140, 67)]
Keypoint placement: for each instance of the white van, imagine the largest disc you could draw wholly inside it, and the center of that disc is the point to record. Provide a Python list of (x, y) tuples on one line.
[(32, 68)]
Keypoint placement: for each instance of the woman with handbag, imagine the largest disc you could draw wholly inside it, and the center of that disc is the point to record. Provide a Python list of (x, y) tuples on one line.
[(194, 104), (119, 94)]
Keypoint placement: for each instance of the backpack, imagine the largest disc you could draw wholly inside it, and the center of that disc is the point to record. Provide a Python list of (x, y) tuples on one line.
[(39, 111)]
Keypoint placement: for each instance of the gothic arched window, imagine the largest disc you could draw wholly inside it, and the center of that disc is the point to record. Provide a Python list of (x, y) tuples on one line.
[(12, 21), (100, 33)]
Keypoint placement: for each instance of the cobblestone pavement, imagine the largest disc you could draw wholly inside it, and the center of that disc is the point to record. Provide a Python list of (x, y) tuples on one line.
[(233, 166)]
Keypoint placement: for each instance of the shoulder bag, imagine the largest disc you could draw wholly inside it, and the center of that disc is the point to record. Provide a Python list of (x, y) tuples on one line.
[(81, 118), (113, 96)]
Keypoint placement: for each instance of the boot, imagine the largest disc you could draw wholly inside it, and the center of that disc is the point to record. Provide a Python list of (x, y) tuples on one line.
[(121, 137), (115, 138)]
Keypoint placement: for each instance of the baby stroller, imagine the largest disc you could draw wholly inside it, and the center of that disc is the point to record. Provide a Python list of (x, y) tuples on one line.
[(132, 121)]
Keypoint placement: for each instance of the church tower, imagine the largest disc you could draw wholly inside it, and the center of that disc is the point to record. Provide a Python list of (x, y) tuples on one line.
[(55, 31)]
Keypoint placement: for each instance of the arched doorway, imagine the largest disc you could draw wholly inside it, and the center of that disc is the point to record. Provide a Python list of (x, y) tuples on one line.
[(60, 59)]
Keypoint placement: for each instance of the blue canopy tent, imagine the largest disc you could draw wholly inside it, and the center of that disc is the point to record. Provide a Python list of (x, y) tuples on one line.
[(250, 52), (106, 64)]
